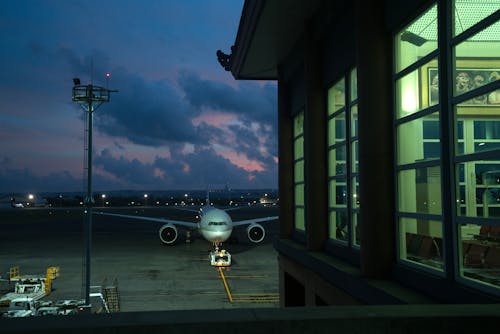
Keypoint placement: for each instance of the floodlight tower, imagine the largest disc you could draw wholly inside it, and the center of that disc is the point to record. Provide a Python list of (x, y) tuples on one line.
[(89, 97)]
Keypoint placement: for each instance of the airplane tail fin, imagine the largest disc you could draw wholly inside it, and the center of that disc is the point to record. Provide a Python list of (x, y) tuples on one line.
[(207, 200)]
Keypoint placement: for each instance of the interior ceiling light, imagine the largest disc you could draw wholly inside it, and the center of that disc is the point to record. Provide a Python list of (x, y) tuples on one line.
[(412, 38)]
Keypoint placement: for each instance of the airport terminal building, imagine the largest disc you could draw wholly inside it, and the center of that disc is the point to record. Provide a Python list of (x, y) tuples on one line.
[(389, 146)]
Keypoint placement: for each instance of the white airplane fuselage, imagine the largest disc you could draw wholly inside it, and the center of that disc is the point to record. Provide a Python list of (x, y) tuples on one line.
[(215, 225)]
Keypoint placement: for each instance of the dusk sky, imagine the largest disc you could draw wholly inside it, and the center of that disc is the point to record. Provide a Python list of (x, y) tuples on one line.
[(179, 121)]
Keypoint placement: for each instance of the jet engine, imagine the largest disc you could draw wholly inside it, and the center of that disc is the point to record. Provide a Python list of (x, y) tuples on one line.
[(168, 234), (255, 233)]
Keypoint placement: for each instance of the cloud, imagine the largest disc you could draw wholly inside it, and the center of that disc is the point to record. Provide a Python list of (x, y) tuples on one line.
[(145, 112), (149, 113), (254, 106), (182, 170), (24, 180), (252, 101), (236, 126)]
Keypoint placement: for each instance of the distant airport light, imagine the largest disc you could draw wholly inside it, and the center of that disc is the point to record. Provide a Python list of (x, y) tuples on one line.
[(145, 195), (108, 75), (103, 195), (31, 196)]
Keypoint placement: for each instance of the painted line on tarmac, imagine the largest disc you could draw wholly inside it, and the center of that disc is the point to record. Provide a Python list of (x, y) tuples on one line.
[(246, 297), (226, 286)]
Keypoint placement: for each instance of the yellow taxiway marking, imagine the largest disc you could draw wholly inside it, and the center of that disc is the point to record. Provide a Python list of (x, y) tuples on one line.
[(256, 294), (246, 297), (228, 291), (247, 276)]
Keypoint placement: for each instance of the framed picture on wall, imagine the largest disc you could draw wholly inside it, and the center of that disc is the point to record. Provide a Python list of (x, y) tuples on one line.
[(469, 75)]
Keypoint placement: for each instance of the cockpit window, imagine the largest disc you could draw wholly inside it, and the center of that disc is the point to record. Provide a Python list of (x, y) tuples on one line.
[(217, 223)]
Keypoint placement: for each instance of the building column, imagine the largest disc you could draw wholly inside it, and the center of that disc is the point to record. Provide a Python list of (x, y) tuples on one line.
[(376, 175), (285, 163), (314, 144)]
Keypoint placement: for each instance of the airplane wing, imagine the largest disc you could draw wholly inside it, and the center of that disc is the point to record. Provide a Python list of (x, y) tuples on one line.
[(255, 220), (188, 210), (151, 219)]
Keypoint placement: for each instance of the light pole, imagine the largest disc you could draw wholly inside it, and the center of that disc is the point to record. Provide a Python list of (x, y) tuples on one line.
[(90, 98), (103, 196), (146, 199)]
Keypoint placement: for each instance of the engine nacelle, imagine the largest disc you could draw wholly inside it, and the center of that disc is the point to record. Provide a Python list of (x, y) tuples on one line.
[(256, 233), (168, 234)]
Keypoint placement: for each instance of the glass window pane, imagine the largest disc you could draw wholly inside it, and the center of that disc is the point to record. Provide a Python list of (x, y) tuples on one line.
[(299, 194), (336, 97), (417, 40), (418, 140), (299, 148), (299, 171), (430, 127), (420, 190), (356, 226), (470, 12), (338, 225), (337, 161), (480, 127), (487, 129), (355, 159), (336, 129), (479, 253), (298, 124), (354, 120), (355, 192), (299, 219), (337, 193), (479, 188), (354, 84), (420, 241), (417, 90), (476, 62)]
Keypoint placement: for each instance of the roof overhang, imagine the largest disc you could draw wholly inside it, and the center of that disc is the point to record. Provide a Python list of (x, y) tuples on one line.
[(267, 32)]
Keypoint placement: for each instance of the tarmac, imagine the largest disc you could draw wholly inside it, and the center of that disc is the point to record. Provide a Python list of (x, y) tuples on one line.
[(150, 276)]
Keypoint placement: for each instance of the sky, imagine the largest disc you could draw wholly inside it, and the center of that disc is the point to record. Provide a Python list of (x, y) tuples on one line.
[(178, 120)]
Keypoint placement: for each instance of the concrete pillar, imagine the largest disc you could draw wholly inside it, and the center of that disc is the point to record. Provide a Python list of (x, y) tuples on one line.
[(316, 194), (285, 164), (374, 59)]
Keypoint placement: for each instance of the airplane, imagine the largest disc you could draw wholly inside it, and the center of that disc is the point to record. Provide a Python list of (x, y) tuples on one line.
[(14, 204), (214, 224)]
